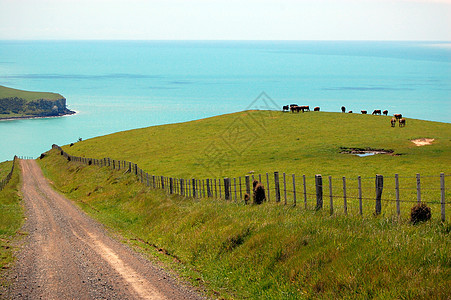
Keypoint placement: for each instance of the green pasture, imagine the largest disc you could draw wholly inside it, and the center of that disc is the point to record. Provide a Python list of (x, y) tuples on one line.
[(28, 96)]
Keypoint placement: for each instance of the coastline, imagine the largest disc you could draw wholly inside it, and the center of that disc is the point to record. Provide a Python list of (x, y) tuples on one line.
[(70, 113)]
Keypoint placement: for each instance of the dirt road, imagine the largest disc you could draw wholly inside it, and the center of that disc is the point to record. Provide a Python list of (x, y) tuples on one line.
[(67, 255)]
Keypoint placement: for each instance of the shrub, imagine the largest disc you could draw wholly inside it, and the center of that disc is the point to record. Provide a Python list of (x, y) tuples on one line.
[(420, 213)]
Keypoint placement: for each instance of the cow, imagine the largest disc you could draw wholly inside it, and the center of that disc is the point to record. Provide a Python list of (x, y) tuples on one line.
[(385, 112), (402, 122), (377, 112), (293, 108), (350, 112), (364, 112), (316, 108), (285, 108), (397, 116), (393, 122), (305, 108), (343, 109)]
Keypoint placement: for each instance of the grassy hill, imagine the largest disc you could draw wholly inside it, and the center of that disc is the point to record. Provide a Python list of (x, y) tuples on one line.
[(16, 103), (261, 141), (28, 96)]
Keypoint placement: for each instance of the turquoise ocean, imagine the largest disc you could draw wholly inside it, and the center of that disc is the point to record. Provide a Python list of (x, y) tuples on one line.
[(121, 85)]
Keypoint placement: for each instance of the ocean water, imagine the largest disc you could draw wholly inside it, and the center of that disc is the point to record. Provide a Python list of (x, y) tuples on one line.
[(121, 85)]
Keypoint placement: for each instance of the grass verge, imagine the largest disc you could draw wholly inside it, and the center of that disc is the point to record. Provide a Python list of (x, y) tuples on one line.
[(264, 252), (11, 217)]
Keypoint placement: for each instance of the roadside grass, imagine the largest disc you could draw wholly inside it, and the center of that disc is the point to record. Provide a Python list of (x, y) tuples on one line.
[(11, 216), (233, 145), (264, 252), (5, 168)]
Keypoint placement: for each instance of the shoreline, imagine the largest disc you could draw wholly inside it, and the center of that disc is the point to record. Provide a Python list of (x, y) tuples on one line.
[(72, 112)]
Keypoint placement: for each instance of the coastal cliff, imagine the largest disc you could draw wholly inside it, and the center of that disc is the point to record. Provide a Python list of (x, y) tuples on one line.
[(22, 104)]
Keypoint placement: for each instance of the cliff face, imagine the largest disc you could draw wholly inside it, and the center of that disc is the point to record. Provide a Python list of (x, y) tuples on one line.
[(35, 108)]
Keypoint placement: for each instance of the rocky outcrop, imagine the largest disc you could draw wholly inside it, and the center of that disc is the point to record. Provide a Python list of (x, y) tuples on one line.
[(35, 108)]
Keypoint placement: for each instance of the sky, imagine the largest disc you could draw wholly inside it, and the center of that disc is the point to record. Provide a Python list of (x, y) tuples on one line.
[(428, 20)]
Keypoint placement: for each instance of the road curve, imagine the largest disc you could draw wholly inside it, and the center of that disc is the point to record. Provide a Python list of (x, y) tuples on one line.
[(67, 255)]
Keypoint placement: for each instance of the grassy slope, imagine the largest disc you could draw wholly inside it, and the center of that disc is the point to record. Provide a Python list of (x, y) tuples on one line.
[(306, 143), (5, 167), (265, 252), (6, 92), (11, 216)]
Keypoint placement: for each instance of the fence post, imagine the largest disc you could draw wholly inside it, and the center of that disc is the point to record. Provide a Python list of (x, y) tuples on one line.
[(398, 206), (219, 183), (162, 182), (171, 185), (241, 193), (418, 188), (345, 200), (248, 186), (226, 188), (136, 169), (305, 192), (267, 186), (294, 190), (442, 197), (193, 187), (208, 188), (359, 179), (319, 191), (331, 196), (276, 186), (234, 185), (284, 189), (216, 190), (379, 188)]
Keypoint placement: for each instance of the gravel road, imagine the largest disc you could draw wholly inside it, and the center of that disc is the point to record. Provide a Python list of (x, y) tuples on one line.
[(67, 255)]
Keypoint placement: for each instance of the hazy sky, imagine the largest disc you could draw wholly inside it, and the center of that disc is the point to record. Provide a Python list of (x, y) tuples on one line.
[(226, 19)]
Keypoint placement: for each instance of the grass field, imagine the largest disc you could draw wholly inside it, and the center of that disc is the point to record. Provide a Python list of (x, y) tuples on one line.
[(271, 251), (11, 216), (5, 168), (306, 143), (6, 92)]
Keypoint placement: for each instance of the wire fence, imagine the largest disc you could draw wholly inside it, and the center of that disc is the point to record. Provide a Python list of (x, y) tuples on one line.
[(5, 180), (357, 196)]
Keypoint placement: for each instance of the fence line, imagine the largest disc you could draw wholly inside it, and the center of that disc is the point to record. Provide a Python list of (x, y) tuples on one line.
[(345, 195), (5, 180)]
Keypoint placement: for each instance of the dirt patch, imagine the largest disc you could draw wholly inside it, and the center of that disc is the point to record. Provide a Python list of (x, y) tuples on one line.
[(422, 142)]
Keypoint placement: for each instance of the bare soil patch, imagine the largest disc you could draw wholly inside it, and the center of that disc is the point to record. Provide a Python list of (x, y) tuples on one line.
[(422, 142)]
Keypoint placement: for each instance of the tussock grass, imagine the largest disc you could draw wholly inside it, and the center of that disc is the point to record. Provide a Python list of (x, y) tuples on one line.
[(11, 216), (267, 251)]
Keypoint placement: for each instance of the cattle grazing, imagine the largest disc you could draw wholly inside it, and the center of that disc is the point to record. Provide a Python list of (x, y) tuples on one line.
[(316, 108), (393, 122), (350, 112), (285, 108), (397, 116), (343, 109), (402, 122), (385, 112), (304, 108), (246, 198), (364, 112), (294, 108), (377, 112)]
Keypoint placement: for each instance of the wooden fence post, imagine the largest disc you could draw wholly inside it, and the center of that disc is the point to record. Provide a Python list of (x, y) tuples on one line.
[(442, 196), (305, 192), (193, 187), (216, 190), (162, 182), (379, 188), (234, 185), (284, 189), (319, 191), (226, 188), (345, 200), (398, 205), (248, 186), (294, 189), (219, 184), (276, 186), (418, 189), (171, 185), (208, 188), (241, 192), (359, 179), (331, 196), (267, 186), (182, 188), (147, 179)]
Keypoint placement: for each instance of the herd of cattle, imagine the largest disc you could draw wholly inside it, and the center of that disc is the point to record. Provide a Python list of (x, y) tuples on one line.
[(396, 117)]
